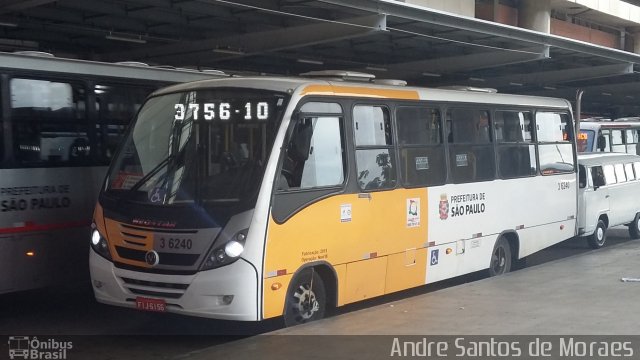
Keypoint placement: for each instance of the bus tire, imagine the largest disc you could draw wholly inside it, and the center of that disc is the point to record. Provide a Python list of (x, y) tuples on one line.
[(306, 299), (634, 227), (500, 258), (599, 236)]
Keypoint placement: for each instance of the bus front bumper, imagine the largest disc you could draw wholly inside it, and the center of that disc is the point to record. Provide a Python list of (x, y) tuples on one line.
[(228, 292)]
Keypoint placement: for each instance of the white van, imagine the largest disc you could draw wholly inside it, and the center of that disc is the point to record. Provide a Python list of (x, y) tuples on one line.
[(608, 196), (621, 135)]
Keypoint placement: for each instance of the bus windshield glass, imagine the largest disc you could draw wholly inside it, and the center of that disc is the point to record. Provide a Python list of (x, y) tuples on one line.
[(204, 146)]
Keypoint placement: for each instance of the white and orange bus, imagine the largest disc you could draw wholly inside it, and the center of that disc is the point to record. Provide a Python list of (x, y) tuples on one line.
[(60, 124), (252, 198)]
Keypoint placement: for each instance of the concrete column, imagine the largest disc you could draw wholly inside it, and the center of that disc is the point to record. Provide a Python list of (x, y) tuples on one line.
[(636, 42), (535, 15)]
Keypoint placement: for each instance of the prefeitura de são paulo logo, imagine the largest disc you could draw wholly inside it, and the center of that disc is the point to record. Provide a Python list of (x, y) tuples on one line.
[(32, 348), (444, 207)]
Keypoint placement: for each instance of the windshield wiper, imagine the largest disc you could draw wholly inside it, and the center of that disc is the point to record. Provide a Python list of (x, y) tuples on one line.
[(151, 173)]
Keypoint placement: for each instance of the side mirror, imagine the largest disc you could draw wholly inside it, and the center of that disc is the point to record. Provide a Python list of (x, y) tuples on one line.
[(602, 143)]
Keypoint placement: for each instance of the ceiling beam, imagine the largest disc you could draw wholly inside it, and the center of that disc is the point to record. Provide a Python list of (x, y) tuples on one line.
[(266, 41), (469, 62), (561, 76), (7, 6)]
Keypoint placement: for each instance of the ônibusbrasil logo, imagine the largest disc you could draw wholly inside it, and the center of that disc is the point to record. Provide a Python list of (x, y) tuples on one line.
[(32, 348)]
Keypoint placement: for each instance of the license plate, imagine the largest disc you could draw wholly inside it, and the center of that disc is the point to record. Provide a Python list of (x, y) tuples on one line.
[(147, 304)]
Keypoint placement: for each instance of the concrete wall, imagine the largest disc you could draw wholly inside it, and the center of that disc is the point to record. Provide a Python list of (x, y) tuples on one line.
[(617, 8), (573, 31), (460, 7), (504, 14)]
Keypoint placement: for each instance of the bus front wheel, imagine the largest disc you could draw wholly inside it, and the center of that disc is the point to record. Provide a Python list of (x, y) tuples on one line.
[(306, 299), (500, 258), (599, 236)]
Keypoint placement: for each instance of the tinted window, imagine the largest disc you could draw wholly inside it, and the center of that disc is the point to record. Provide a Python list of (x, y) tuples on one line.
[(422, 153), (471, 154), (516, 151)]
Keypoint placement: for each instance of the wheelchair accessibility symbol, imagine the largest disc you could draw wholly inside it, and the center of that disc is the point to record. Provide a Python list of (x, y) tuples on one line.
[(156, 195), (434, 257)]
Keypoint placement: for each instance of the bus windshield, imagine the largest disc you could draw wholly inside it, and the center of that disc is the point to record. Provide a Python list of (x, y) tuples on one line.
[(204, 146)]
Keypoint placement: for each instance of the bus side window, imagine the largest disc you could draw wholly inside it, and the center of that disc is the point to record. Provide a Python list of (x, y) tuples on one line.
[(50, 122), (422, 155), (375, 158), (554, 134), (314, 154), (471, 154)]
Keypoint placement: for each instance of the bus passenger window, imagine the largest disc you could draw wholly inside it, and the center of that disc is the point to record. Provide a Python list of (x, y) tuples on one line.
[(422, 153), (375, 158), (554, 134), (471, 154), (314, 155), (50, 123), (516, 151), (617, 143)]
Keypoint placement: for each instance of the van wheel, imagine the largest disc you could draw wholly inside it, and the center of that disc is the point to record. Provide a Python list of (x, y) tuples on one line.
[(634, 227), (500, 258), (306, 299), (598, 238)]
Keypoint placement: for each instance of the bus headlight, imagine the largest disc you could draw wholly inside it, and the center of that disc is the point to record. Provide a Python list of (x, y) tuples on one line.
[(99, 243), (226, 253)]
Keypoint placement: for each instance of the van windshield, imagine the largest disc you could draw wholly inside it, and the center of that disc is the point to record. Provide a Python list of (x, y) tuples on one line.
[(206, 146), (586, 140)]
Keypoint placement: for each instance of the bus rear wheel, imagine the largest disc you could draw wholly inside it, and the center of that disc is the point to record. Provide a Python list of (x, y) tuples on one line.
[(634, 227), (306, 299), (500, 258), (599, 236)]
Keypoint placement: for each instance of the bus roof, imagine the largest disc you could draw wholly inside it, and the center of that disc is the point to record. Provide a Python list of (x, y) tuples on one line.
[(128, 70), (602, 158), (309, 86)]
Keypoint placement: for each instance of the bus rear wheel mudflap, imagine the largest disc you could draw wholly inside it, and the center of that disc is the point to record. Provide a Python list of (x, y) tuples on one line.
[(599, 236), (306, 298), (500, 258), (634, 227)]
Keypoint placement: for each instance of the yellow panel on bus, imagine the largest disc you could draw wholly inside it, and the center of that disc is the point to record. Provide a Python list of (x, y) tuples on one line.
[(350, 228)]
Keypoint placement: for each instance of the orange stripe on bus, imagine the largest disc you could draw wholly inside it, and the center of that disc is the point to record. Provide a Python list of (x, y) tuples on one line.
[(360, 91)]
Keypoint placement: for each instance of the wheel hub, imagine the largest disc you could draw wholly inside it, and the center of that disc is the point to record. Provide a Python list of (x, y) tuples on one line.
[(307, 304)]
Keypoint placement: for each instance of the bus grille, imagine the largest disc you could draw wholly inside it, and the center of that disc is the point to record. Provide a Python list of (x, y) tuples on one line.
[(155, 288), (172, 259)]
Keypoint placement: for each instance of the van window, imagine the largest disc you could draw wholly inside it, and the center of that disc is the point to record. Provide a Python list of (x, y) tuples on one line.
[(609, 174), (636, 168), (597, 176), (620, 176), (628, 169)]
